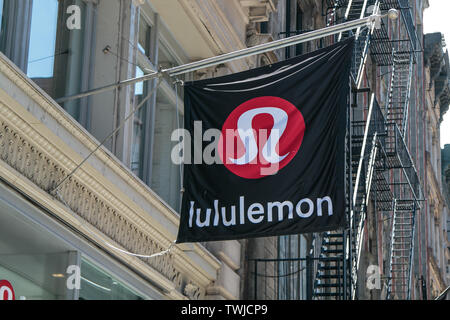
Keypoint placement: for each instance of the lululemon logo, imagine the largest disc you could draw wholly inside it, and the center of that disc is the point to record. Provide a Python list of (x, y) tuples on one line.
[(6, 290), (261, 136)]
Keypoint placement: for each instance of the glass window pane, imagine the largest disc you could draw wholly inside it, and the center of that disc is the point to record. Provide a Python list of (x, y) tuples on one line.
[(32, 259), (1, 17), (69, 59), (43, 39), (166, 174), (96, 284), (144, 36), (4, 5), (138, 128)]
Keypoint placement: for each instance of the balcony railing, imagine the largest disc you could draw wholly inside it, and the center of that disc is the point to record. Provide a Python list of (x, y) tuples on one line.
[(290, 279)]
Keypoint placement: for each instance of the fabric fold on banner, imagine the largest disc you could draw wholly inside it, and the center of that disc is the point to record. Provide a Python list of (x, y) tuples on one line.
[(264, 149)]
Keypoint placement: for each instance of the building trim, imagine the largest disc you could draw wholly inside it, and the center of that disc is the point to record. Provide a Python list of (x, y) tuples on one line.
[(13, 198), (129, 204)]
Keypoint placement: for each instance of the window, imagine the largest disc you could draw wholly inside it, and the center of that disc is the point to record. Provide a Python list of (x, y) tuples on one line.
[(292, 273), (71, 60), (165, 174), (32, 258), (144, 36), (1, 19), (138, 128), (264, 27), (39, 41), (157, 119), (41, 51), (141, 120), (299, 27), (4, 5), (96, 284)]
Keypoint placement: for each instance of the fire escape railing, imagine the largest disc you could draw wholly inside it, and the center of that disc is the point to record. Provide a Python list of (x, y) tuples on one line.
[(351, 10), (401, 250), (398, 157), (407, 17), (408, 96), (383, 149), (375, 129), (380, 165)]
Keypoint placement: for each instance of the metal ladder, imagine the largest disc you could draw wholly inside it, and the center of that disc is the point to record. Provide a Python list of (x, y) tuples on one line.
[(402, 250), (330, 275), (329, 281), (357, 9), (400, 90)]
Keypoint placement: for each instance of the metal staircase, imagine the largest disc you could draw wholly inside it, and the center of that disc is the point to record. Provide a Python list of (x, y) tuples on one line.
[(379, 167), (331, 274), (357, 9), (397, 106), (402, 249), (330, 270), (365, 162)]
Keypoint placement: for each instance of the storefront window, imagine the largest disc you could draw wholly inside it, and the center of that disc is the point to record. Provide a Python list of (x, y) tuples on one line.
[(35, 276), (37, 264), (96, 284), (32, 260)]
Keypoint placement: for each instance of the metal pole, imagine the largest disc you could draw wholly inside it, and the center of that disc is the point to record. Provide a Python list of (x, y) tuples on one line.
[(227, 57), (256, 280), (287, 54), (309, 277), (274, 45)]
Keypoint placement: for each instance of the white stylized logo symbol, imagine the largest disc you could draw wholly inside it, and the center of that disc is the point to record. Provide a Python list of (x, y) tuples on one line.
[(261, 136), (245, 131)]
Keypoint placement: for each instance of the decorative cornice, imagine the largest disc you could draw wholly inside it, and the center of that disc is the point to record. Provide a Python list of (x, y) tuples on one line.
[(259, 10)]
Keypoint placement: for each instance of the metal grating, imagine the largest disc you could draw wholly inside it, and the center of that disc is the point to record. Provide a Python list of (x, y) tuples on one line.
[(381, 47)]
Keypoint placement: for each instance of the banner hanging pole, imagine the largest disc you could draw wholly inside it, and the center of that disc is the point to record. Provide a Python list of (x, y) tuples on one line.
[(227, 57)]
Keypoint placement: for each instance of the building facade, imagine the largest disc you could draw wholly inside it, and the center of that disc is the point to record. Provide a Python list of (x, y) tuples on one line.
[(437, 102), (396, 245), (90, 196), (119, 207)]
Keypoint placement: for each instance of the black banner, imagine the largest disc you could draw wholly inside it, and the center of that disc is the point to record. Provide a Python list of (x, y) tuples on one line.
[(265, 153)]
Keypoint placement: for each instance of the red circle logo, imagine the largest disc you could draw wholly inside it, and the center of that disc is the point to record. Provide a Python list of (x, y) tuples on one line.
[(6, 290), (261, 136)]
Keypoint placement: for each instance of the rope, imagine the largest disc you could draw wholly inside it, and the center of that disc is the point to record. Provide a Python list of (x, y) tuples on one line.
[(87, 227), (110, 135), (55, 189)]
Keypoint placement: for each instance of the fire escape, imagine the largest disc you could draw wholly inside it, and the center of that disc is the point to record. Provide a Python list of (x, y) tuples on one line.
[(379, 166), (380, 173)]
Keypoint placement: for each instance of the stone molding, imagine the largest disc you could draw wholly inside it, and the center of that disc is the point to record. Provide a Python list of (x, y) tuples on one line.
[(34, 158)]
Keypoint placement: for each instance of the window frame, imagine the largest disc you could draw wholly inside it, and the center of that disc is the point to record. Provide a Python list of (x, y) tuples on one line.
[(160, 39), (16, 44)]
